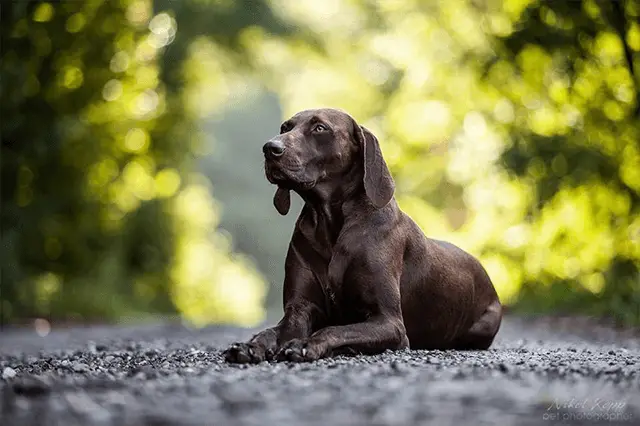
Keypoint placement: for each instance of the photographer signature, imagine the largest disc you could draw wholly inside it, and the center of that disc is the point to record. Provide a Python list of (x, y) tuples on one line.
[(596, 404)]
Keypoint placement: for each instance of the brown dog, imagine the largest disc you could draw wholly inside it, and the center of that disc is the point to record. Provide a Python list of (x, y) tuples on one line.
[(360, 276)]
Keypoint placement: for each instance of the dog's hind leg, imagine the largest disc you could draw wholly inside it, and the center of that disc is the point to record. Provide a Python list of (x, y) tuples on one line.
[(481, 334)]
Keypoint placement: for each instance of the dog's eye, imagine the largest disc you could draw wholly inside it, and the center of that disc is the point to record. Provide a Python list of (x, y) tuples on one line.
[(319, 128), (284, 129)]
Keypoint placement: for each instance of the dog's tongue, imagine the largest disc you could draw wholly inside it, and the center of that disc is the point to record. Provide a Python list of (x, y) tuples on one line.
[(282, 200)]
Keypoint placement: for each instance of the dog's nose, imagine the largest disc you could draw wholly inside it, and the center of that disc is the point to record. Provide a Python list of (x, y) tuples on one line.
[(273, 148)]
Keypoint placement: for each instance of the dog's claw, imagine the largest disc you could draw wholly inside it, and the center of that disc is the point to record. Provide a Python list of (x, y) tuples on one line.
[(304, 352), (242, 353)]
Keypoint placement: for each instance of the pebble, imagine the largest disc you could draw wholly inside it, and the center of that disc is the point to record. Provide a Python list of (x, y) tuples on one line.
[(80, 367), (8, 373), (503, 367)]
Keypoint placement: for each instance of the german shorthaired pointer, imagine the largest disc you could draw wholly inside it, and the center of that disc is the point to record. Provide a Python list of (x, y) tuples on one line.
[(360, 276)]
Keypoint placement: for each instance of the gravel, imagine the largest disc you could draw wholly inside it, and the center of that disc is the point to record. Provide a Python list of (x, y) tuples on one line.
[(8, 373), (539, 371)]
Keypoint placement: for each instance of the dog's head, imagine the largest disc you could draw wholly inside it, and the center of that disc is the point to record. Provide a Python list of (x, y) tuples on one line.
[(319, 147)]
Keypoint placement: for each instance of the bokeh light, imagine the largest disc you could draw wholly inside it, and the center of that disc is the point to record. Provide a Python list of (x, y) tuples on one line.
[(511, 128)]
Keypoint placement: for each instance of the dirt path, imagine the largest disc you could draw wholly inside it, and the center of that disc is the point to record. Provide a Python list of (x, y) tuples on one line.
[(543, 371)]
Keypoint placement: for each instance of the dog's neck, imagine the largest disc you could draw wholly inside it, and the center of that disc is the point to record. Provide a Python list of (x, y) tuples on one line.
[(331, 199)]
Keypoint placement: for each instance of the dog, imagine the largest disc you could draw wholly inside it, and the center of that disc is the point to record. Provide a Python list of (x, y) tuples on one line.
[(360, 275)]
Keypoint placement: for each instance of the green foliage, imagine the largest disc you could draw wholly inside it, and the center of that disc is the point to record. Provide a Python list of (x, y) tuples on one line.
[(101, 216), (511, 128), (65, 123), (580, 60)]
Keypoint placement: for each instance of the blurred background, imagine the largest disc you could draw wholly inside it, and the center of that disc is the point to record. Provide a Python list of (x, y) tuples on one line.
[(131, 133)]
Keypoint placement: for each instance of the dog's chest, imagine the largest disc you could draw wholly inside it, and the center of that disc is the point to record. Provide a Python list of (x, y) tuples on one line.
[(344, 299), (326, 251)]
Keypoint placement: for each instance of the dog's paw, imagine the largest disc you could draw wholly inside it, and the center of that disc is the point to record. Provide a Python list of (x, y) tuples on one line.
[(298, 350), (247, 353)]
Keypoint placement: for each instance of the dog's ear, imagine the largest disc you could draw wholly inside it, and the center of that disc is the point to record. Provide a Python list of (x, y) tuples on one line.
[(378, 182), (282, 200)]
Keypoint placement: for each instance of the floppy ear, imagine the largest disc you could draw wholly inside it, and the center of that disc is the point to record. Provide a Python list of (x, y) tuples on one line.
[(378, 183), (282, 200)]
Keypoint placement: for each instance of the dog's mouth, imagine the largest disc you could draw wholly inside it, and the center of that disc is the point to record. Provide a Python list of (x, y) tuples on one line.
[(283, 178), (276, 175), (305, 186)]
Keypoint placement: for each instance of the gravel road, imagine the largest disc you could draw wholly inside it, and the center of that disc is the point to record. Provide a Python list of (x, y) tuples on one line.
[(539, 371)]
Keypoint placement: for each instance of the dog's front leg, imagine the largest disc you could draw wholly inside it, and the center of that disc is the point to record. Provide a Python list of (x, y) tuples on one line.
[(259, 348), (302, 316), (382, 328), (297, 323), (372, 336)]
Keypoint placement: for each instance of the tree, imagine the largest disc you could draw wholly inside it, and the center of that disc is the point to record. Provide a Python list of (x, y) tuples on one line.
[(101, 215), (575, 144), (511, 129)]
